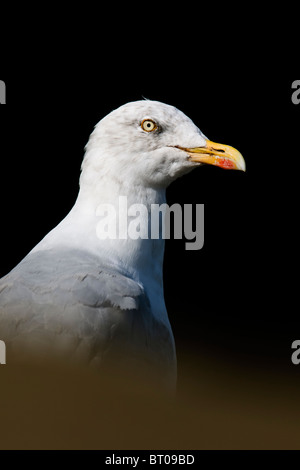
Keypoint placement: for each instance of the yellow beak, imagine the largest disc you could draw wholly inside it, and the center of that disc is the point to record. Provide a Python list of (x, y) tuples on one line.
[(220, 155)]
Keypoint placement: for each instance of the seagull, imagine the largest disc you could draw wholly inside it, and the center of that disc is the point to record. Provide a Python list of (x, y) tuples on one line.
[(100, 300)]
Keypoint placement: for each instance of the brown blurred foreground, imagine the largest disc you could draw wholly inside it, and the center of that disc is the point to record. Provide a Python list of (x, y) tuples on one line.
[(217, 407)]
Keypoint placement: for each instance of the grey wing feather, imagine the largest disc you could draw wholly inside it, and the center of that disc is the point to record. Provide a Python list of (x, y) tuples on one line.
[(66, 290), (66, 300), (68, 274)]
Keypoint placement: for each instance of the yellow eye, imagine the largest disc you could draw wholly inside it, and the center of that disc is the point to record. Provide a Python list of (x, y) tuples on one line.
[(148, 125)]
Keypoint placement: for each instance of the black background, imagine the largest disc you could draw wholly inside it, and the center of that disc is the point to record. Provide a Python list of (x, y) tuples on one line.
[(237, 297)]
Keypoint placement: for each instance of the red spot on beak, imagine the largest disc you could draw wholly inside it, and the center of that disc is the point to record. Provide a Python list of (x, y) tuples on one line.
[(225, 163)]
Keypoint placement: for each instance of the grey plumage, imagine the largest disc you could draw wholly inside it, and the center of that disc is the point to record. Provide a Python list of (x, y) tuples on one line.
[(65, 302)]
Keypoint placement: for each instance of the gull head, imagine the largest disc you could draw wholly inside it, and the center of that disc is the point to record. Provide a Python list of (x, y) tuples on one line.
[(152, 143)]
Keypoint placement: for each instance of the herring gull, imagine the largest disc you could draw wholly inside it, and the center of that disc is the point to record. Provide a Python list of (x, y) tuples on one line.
[(101, 300)]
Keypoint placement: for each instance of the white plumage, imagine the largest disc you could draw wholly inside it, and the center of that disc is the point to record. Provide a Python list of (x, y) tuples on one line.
[(101, 300)]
